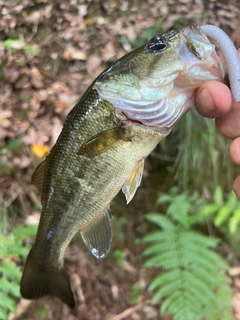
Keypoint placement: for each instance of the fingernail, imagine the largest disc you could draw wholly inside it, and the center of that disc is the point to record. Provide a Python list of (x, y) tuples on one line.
[(206, 100)]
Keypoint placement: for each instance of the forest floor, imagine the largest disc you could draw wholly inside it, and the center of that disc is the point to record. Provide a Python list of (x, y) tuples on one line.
[(50, 52)]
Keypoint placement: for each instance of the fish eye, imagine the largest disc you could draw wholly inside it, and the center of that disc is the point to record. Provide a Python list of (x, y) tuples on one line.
[(156, 44)]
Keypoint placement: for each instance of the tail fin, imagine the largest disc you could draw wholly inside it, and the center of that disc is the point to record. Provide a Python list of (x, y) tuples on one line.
[(38, 281)]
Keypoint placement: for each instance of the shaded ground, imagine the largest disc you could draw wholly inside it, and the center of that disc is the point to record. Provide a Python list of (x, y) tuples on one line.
[(56, 49)]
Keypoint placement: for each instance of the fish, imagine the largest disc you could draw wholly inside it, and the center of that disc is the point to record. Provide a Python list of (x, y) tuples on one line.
[(105, 139)]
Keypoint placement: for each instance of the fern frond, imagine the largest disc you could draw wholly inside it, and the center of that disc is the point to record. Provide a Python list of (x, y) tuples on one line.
[(11, 250), (166, 289), (3, 314), (161, 221), (165, 278), (6, 303), (158, 237), (10, 270), (199, 239), (190, 308), (168, 262), (221, 306), (193, 274)]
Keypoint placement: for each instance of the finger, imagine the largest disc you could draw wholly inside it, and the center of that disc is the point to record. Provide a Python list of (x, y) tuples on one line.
[(229, 124), (236, 186), (213, 99), (234, 151)]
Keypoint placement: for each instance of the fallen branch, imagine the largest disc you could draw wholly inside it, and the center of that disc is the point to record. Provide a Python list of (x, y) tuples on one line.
[(130, 311)]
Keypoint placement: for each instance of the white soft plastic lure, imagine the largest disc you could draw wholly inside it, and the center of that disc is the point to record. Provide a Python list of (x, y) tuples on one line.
[(232, 59)]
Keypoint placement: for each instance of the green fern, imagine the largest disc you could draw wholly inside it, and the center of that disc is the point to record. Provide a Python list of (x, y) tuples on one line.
[(12, 251), (193, 284)]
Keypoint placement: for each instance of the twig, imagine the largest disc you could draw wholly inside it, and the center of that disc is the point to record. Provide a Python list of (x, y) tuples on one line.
[(130, 311)]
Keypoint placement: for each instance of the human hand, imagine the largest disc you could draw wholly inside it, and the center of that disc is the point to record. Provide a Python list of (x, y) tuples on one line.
[(214, 100)]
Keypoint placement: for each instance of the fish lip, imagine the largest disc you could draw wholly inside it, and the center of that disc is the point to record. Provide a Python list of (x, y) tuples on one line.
[(213, 70), (219, 72)]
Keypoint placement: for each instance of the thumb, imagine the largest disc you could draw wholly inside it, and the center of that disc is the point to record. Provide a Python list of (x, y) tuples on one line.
[(213, 99)]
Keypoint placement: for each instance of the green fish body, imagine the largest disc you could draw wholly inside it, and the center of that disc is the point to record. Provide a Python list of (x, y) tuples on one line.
[(105, 139)]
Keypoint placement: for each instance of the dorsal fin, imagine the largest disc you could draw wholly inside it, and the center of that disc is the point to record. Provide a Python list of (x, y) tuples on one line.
[(98, 236), (130, 186), (37, 177)]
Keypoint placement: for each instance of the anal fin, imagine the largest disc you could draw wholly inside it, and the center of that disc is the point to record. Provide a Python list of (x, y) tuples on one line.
[(98, 236), (130, 186)]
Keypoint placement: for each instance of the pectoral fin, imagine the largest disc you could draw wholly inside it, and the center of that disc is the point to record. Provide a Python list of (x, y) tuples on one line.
[(130, 186), (103, 141), (37, 177), (98, 236)]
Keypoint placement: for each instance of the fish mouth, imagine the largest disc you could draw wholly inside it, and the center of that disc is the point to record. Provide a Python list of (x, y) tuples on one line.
[(210, 69), (205, 74), (199, 56), (219, 72)]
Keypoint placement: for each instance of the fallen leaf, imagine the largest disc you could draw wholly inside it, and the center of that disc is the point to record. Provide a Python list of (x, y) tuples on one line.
[(94, 64), (109, 51), (233, 272), (33, 218), (36, 78), (237, 283), (25, 162), (39, 150), (5, 118), (72, 53)]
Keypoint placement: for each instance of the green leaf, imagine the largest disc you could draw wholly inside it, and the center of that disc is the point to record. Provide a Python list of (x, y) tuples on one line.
[(163, 198), (18, 44), (10, 270), (12, 43), (225, 212), (155, 249), (234, 220), (11, 251), (3, 314), (209, 209), (160, 220), (218, 197), (194, 238), (14, 144), (7, 303), (157, 236), (164, 278)]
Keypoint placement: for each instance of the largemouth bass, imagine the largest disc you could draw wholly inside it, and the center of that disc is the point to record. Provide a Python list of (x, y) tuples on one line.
[(105, 139)]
